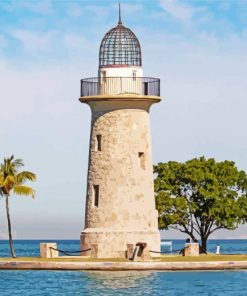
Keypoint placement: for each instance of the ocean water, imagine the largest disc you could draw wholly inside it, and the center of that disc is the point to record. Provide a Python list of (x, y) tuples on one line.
[(25, 248), (56, 283)]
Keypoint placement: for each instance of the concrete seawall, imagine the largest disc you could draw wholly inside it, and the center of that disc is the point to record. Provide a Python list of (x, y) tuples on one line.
[(121, 266)]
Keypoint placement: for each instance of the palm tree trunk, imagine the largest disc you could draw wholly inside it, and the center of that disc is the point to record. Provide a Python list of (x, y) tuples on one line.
[(9, 228)]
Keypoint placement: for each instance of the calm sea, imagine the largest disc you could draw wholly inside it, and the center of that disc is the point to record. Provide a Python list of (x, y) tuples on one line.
[(25, 248), (45, 283)]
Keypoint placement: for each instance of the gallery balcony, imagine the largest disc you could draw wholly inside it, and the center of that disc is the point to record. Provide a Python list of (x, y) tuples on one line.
[(143, 86)]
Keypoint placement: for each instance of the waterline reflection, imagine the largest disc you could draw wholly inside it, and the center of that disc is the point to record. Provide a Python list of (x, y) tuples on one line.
[(119, 279)]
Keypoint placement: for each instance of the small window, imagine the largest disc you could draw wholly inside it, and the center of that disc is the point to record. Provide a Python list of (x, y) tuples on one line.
[(146, 88), (134, 75), (141, 156), (104, 75), (98, 143), (96, 195)]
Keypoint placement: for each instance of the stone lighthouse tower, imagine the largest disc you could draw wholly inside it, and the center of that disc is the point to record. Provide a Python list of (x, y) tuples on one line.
[(120, 205)]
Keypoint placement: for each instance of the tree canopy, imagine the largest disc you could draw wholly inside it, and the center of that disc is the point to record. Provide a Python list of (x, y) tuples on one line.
[(200, 196)]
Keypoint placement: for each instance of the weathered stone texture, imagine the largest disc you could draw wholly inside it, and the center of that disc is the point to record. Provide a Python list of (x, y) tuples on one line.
[(191, 249), (47, 250), (123, 171)]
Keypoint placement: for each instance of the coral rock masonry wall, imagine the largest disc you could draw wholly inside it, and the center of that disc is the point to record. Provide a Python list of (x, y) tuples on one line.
[(120, 205)]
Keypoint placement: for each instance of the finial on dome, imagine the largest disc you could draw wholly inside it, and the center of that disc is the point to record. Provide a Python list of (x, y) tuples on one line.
[(119, 14)]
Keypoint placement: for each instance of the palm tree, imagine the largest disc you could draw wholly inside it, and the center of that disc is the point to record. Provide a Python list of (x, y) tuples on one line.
[(11, 180)]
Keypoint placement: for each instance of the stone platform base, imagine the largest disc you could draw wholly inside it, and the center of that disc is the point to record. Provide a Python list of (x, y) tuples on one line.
[(121, 266), (113, 244)]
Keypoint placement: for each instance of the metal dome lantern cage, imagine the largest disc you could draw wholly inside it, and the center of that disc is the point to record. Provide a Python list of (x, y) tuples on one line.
[(121, 47), (120, 67)]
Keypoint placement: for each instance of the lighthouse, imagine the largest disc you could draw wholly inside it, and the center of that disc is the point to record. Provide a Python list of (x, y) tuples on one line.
[(120, 204)]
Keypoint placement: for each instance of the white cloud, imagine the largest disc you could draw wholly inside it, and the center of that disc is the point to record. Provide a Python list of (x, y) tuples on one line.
[(52, 46), (75, 10), (41, 7), (130, 8), (77, 43), (34, 42), (180, 11), (9, 6), (3, 42), (243, 12), (225, 5), (98, 11)]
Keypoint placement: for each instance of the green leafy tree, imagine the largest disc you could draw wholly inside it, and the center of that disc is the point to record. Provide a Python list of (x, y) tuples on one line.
[(200, 196), (11, 180)]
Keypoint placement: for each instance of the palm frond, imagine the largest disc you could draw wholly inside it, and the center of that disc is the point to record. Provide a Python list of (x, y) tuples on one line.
[(24, 190), (8, 184), (10, 165), (1, 177), (17, 163), (25, 176)]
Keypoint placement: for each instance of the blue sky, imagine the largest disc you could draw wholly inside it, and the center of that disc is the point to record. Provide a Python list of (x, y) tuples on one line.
[(197, 48), (41, 31)]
